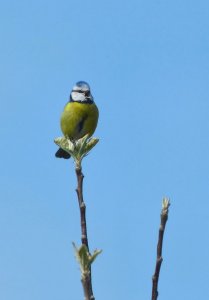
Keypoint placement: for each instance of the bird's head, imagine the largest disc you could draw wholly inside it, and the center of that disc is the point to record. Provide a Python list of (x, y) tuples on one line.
[(81, 93)]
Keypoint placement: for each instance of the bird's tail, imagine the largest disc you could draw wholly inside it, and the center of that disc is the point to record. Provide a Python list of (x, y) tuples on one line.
[(62, 154)]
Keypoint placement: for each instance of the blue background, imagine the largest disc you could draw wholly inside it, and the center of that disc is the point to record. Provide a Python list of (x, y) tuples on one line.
[(148, 66)]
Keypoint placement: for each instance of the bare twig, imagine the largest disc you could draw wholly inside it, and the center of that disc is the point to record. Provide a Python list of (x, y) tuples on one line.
[(82, 206), (86, 276), (164, 218)]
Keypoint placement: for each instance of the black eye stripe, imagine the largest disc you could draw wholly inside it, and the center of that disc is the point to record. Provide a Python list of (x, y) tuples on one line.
[(86, 93)]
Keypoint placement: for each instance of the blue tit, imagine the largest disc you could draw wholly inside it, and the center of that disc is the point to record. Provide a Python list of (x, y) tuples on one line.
[(80, 115)]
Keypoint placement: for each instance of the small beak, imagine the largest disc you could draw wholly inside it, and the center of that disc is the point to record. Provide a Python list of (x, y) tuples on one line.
[(90, 97)]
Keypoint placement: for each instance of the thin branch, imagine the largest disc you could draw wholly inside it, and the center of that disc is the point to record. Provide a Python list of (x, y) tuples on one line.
[(78, 150), (86, 277), (164, 218)]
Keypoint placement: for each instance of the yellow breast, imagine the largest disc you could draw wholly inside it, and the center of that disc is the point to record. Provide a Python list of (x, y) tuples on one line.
[(79, 119)]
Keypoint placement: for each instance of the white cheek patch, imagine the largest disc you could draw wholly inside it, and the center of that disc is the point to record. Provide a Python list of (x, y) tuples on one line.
[(78, 96)]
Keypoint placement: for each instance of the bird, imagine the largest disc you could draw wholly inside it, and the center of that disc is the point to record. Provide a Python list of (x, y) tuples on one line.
[(79, 117)]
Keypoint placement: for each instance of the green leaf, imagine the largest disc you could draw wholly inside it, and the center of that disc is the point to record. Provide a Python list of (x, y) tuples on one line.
[(84, 258), (94, 255), (77, 149), (65, 144)]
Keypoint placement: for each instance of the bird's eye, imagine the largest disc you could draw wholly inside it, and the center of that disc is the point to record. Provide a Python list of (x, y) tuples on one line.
[(87, 93)]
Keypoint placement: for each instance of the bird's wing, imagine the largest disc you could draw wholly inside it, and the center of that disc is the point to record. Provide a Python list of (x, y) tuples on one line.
[(80, 125)]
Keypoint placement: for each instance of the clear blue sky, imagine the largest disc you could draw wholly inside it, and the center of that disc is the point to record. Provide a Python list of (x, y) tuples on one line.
[(148, 66)]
